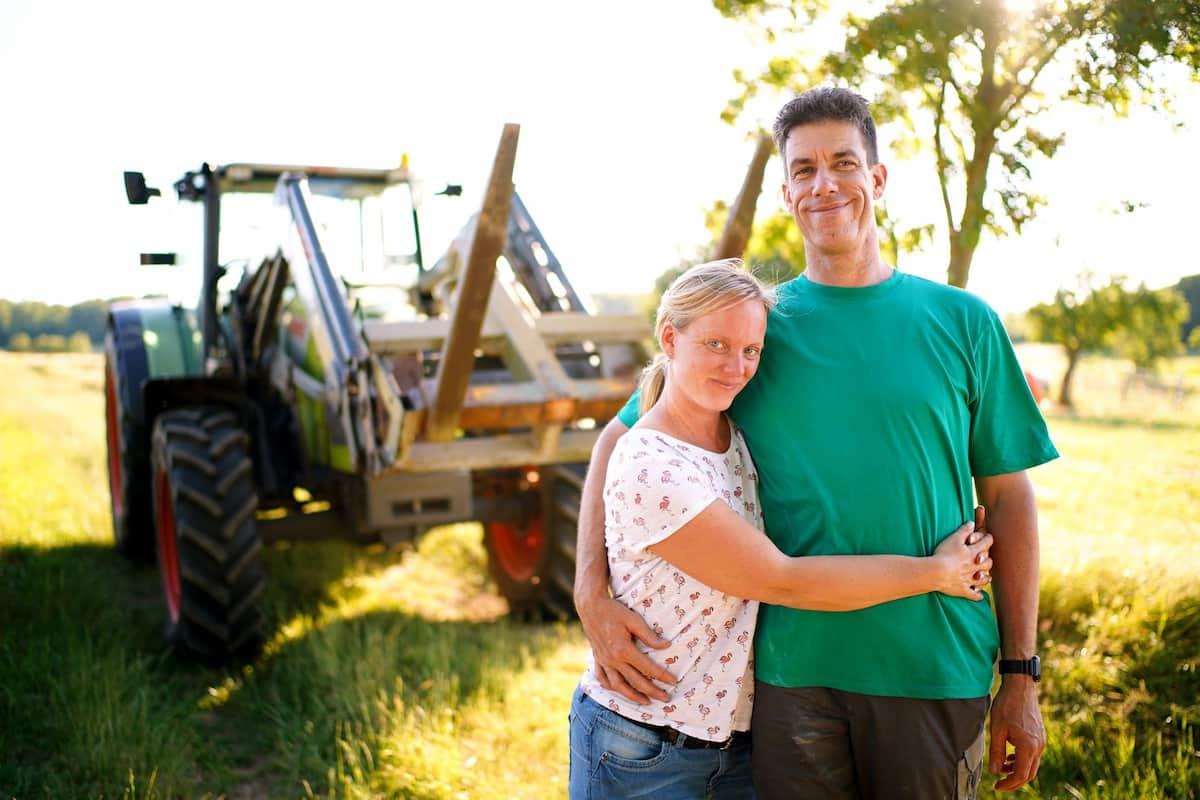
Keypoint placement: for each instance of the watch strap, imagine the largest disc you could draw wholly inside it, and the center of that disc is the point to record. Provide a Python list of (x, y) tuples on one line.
[(1019, 666)]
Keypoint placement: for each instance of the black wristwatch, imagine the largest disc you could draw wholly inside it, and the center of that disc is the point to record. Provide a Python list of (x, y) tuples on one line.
[(1031, 667)]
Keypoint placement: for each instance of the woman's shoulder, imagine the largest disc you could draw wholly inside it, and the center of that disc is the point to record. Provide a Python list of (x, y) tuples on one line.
[(645, 449)]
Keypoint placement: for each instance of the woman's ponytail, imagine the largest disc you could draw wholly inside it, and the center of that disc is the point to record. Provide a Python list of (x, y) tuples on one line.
[(654, 378)]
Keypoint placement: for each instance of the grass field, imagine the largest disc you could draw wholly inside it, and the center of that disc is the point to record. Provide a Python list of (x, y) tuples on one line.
[(396, 674)]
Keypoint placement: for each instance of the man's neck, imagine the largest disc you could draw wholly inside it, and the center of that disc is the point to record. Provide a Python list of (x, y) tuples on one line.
[(854, 269)]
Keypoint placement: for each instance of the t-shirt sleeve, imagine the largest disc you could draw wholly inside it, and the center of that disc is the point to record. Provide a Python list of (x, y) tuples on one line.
[(629, 412), (649, 497), (1008, 432)]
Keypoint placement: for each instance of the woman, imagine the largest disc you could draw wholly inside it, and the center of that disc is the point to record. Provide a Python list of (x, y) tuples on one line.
[(686, 550)]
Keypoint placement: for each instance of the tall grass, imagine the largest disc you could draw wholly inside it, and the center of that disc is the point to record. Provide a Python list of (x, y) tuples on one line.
[(394, 673)]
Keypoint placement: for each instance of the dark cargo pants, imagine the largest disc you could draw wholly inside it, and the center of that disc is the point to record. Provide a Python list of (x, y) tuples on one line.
[(824, 744)]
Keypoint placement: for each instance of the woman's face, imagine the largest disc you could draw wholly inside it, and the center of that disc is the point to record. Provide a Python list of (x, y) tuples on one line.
[(716, 355)]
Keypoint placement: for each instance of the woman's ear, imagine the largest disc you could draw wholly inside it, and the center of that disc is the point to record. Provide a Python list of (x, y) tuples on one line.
[(666, 340)]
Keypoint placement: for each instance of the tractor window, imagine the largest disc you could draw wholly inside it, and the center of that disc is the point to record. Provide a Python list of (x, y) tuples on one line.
[(371, 244), (252, 228)]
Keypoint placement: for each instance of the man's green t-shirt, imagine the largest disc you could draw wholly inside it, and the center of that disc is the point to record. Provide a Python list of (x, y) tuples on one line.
[(872, 409)]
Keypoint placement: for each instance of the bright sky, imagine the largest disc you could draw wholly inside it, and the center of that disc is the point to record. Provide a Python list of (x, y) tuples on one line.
[(621, 144)]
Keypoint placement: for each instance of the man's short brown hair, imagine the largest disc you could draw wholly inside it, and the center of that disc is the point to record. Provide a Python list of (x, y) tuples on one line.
[(827, 103)]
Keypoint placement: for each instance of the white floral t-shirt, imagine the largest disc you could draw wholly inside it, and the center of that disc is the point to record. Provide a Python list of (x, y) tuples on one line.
[(656, 484)]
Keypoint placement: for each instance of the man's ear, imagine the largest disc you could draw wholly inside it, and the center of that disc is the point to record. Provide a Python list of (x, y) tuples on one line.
[(879, 177)]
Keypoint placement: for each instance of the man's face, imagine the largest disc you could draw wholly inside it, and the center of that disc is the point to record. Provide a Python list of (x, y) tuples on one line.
[(830, 188)]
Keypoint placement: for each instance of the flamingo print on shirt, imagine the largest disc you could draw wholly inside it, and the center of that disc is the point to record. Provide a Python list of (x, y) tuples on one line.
[(656, 484)]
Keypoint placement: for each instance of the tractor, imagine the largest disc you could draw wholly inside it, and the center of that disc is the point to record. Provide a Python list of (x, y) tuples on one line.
[(330, 383)]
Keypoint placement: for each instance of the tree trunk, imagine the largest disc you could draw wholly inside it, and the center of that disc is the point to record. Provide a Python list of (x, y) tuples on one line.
[(1064, 391), (960, 263), (964, 241)]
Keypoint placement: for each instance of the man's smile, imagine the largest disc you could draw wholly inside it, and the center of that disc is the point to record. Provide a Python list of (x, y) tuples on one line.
[(828, 207)]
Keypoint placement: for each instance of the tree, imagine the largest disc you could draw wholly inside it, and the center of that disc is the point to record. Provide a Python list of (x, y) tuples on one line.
[(1150, 326), (775, 250), (79, 342), (1189, 287), (20, 342), (774, 253), (88, 317), (1142, 325), (968, 79), (50, 343)]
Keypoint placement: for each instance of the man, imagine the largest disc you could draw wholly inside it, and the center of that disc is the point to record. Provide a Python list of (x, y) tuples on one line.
[(879, 398)]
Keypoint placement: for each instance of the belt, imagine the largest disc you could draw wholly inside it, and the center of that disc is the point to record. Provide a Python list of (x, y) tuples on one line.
[(672, 736)]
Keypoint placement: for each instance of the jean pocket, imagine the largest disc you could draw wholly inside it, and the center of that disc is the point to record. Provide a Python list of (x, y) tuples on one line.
[(625, 745)]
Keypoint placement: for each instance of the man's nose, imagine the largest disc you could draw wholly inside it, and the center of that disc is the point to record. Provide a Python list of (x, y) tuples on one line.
[(823, 182)]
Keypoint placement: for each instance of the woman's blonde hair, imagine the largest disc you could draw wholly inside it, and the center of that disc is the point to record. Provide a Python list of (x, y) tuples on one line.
[(703, 289)]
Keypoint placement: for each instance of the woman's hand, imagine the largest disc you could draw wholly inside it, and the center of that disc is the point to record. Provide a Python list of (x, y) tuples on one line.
[(964, 563)]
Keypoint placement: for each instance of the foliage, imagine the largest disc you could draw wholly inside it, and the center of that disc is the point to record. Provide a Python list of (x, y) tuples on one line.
[(1141, 324), (969, 79), (775, 251), (36, 320), (1189, 287), (1151, 328)]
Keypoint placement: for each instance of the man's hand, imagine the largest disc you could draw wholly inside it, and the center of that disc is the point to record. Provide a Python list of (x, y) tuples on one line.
[(1016, 720), (620, 666)]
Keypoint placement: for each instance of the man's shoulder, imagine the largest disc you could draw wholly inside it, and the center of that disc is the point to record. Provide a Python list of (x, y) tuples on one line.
[(943, 295), (944, 291)]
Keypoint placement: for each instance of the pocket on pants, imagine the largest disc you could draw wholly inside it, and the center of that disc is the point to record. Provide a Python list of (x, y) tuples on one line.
[(622, 744), (970, 769)]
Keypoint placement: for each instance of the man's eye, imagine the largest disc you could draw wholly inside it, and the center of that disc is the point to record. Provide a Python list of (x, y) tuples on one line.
[(716, 344), (752, 352)]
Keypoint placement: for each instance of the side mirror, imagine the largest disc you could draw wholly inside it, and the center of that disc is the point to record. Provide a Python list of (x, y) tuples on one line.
[(136, 189), (157, 259)]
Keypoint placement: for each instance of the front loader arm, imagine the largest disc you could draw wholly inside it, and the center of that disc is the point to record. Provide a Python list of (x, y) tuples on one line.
[(343, 383)]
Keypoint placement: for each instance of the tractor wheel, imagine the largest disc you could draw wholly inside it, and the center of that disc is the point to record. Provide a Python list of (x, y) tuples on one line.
[(533, 563), (208, 544), (128, 463)]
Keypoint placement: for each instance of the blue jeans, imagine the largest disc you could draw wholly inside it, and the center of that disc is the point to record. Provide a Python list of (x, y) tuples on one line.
[(612, 757)]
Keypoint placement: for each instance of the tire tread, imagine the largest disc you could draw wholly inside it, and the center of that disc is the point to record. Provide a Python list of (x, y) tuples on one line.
[(210, 476)]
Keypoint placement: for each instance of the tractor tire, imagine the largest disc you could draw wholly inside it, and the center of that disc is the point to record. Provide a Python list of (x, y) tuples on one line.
[(533, 563), (128, 462), (209, 549)]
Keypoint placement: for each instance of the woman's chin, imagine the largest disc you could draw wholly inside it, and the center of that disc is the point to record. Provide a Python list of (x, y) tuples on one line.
[(720, 403)]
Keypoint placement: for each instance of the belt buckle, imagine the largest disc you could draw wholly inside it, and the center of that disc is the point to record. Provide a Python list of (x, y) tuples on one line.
[(728, 743)]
